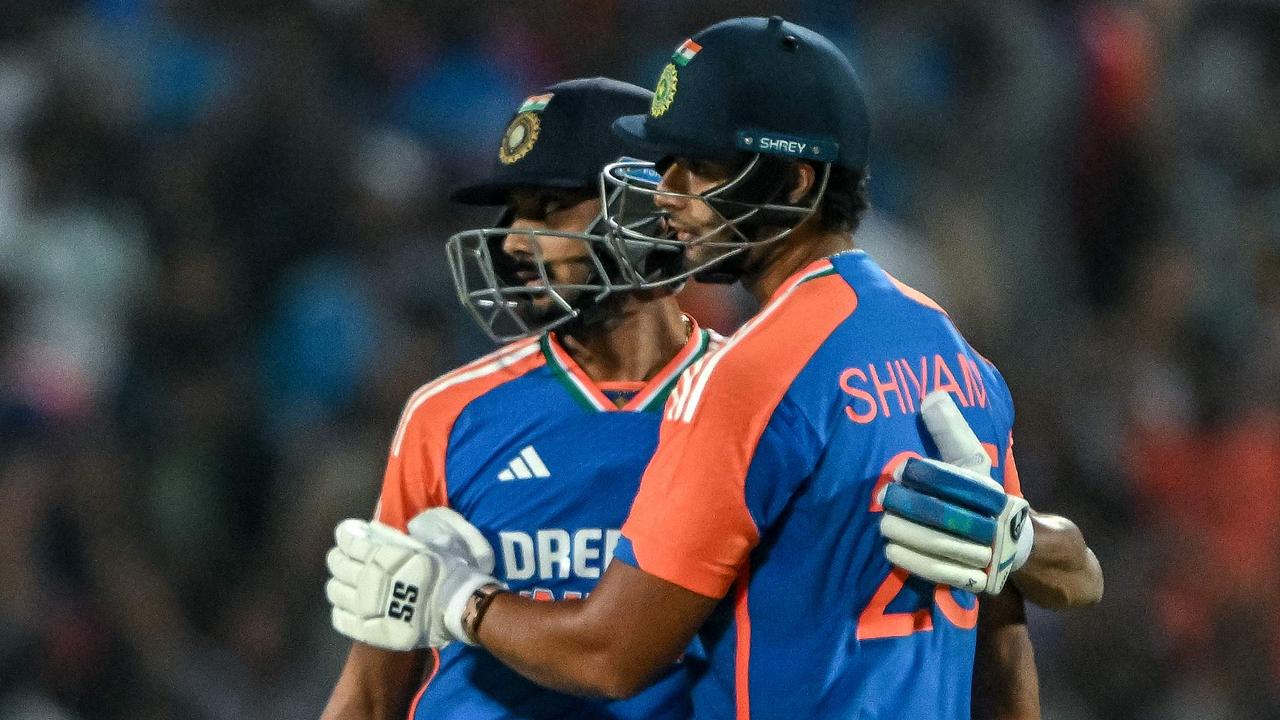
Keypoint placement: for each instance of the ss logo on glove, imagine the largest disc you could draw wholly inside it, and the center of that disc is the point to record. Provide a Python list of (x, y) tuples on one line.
[(403, 598)]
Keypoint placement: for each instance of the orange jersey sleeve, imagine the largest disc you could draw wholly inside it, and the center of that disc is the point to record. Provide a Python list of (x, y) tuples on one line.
[(691, 523), (415, 479)]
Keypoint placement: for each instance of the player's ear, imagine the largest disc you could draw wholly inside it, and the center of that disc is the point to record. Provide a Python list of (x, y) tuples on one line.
[(803, 177)]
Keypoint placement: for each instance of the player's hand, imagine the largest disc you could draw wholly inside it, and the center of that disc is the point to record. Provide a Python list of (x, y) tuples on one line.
[(948, 521), (379, 580), (391, 591)]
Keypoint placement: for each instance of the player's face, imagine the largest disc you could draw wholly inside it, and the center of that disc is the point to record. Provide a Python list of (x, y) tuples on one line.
[(690, 220), (567, 259)]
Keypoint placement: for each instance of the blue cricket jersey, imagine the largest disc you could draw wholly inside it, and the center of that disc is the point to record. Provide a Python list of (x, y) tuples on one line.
[(539, 458), (763, 492)]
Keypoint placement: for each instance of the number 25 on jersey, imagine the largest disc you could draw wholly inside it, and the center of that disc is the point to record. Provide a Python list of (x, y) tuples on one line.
[(875, 621)]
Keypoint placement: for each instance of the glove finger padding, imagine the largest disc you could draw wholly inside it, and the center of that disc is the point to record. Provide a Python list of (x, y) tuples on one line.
[(957, 444), (935, 570), (361, 539), (341, 567), (370, 632), (448, 532), (346, 623), (352, 537), (954, 484), (938, 513), (341, 595), (934, 543)]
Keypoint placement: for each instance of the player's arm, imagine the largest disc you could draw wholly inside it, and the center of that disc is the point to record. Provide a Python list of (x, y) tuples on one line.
[(376, 684), (731, 453), (613, 644), (1062, 572), (631, 627), (952, 526), (427, 589), (683, 546), (1005, 685), (949, 522)]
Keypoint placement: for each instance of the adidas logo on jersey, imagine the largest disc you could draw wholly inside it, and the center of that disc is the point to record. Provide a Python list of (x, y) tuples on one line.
[(526, 465)]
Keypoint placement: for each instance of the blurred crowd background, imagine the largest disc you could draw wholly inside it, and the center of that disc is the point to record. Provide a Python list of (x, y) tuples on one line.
[(221, 274)]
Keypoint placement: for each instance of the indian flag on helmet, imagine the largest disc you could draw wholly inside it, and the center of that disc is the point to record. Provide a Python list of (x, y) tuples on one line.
[(685, 52), (535, 103)]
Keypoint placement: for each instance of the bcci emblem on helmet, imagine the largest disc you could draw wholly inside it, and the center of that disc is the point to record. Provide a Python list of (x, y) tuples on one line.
[(664, 92), (522, 133), (519, 138)]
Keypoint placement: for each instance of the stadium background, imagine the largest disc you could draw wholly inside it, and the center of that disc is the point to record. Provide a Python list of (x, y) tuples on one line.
[(221, 273)]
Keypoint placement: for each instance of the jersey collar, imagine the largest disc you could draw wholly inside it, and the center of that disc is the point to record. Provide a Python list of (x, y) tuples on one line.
[(814, 270), (652, 395)]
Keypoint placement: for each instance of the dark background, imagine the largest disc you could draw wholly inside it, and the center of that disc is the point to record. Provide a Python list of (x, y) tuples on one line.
[(221, 273)]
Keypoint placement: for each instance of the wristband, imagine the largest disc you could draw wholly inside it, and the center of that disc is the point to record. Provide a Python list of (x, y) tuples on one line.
[(477, 605)]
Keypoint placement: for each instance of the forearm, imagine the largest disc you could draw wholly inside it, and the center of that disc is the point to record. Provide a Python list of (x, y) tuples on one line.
[(560, 645), (613, 644), (1005, 684), (376, 684), (1062, 572)]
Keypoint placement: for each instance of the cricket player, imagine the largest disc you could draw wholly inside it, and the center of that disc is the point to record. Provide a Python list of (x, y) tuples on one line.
[(758, 523), (540, 445)]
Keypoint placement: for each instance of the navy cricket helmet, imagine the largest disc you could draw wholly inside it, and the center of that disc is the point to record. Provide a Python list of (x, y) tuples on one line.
[(762, 92), (557, 139)]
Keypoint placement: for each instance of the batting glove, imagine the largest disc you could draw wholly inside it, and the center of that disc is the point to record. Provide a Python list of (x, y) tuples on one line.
[(947, 521), (469, 566), (391, 591), (445, 531)]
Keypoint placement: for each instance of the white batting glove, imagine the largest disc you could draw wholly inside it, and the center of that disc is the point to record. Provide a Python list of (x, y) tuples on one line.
[(469, 566), (379, 581), (948, 521), (391, 591)]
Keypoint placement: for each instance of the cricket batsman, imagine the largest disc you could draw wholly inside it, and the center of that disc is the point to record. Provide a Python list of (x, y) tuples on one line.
[(790, 518), (541, 444)]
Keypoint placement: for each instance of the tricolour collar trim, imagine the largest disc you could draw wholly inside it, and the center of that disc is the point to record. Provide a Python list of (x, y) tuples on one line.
[(655, 391)]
